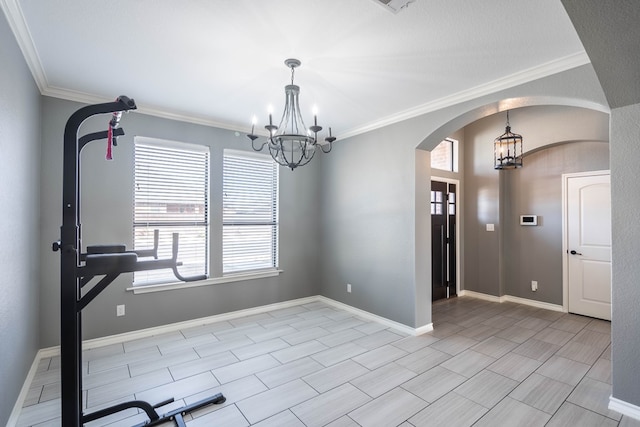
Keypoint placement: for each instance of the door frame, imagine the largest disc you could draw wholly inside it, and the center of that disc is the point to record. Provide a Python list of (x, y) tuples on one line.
[(459, 205), (565, 237)]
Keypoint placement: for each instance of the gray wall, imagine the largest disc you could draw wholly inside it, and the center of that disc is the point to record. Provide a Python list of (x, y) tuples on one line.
[(19, 194), (374, 220), (557, 140), (615, 55), (107, 206), (625, 154)]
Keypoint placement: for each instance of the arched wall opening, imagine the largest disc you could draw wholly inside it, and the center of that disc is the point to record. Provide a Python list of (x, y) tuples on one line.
[(560, 136)]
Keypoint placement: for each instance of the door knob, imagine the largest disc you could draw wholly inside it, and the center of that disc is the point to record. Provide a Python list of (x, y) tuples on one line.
[(575, 253)]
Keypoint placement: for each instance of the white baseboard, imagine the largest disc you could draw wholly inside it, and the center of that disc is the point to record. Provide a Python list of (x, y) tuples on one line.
[(17, 408), (510, 298), (473, 294), (172, 327), (374, 317), (624, 408)]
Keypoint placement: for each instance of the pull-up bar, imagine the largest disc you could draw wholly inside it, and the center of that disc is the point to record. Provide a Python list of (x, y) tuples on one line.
[(105, 261)]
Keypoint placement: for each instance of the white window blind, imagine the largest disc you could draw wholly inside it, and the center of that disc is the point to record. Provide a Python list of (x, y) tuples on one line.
[(250, 212), (171, 195)]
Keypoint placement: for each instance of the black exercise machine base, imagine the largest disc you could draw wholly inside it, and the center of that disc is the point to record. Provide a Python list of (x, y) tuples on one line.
[(176, 416)]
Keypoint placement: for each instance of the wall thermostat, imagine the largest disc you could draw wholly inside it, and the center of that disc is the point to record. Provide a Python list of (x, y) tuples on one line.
[(528, 219)]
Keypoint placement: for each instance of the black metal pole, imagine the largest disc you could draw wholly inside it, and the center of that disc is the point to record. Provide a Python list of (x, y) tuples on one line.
[(70, 312)]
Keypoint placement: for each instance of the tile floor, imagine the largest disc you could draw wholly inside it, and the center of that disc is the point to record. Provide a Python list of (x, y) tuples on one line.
[(485, 364)]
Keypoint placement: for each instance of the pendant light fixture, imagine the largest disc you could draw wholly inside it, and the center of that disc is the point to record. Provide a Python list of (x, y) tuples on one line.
[(291, 143), (507, 149)]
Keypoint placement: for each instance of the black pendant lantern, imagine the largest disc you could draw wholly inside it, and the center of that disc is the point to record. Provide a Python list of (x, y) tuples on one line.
[(507, 149)]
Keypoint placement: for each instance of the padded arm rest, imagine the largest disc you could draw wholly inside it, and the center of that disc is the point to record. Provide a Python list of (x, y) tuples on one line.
[(106, 249), (116, 262)]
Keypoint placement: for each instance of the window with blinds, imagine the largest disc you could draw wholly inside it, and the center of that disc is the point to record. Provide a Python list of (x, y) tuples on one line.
[(172, 195), (249, 212)]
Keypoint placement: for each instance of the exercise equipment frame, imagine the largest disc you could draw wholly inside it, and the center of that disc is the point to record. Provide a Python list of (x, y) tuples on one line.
[(78, 269)]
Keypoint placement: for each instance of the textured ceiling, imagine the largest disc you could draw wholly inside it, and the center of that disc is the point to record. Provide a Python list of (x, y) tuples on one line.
[(220, 62), (610, 32)]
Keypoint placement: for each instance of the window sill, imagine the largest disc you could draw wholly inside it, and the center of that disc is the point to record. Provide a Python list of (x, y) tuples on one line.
[(145, 289)]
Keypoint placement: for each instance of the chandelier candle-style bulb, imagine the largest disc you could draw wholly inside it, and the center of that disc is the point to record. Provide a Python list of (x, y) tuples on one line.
[(291, 143)]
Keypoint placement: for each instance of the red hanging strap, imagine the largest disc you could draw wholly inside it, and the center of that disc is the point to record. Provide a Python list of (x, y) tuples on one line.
[(109, 141)]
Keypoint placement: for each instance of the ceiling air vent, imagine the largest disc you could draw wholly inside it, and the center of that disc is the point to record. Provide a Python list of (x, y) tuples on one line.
[(394, 6)]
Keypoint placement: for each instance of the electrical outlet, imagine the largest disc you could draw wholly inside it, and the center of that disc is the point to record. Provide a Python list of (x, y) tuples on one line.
[(534, 285), (349, 287), (120, 310)]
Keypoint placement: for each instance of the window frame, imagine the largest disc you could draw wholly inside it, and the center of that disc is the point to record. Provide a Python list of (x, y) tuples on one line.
[(166, 277), (236, 221), (453, 164)]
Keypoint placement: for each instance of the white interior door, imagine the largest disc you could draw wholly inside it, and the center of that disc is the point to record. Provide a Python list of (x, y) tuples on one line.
[(588, 238)]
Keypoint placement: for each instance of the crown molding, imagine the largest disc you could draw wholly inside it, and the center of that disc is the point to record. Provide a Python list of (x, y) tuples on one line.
[(544, 70), (19, 27)]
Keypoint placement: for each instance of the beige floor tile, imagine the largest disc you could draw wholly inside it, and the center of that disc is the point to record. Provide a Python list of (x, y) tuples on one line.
[(542, 393), (388, 410), (573, 415), (259, 348), (486, 388), (328, 378), (345, 421), (554, 336), (283, 419), (454, 344), (246, 367), (422, 360), (564, 370), (197, 366), (377, 339), (594, 395), (298, 351), (451, 410), (305, 335), (210, 348), (338, 354), (494, 347), (108, 392), (510, 412), (536, 349), (383, 379), (380, 356), (468, 363), (146, 366), (327, 407), (337, 338), (514, 366), (516, 334), (288, 372), (179, 389), (580, 352), (276, 400), (228, 416), (270, 333), (410, 344), (601, 371), (271, 367), (433, 384)]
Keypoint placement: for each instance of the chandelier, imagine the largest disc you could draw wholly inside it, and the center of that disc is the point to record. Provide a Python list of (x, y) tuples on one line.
[(291, 143), (507, 149)]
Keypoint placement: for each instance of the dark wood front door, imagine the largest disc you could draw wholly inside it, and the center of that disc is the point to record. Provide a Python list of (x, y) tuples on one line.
[(443, 239)]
